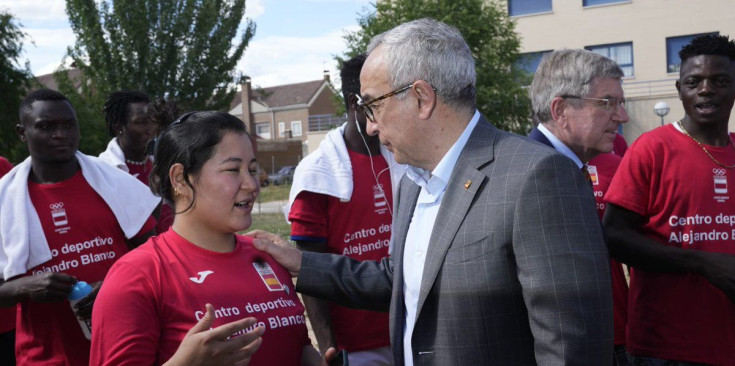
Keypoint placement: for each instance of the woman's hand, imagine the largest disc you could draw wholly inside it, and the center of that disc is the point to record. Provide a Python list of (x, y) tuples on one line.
[(204, 346)]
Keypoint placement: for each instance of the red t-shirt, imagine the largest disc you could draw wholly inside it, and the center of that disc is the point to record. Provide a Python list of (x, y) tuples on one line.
[(689, 202), (165, 218), (143, 172), (85, 240), (5, 166), (602, 169), (359, 229), (620, 146), (7, 315), (156, 293)]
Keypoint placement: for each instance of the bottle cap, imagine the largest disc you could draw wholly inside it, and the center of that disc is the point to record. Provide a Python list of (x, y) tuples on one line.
[(80, 290)]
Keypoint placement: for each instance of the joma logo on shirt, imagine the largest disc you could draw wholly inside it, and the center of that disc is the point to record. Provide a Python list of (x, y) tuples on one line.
[(202, 276)]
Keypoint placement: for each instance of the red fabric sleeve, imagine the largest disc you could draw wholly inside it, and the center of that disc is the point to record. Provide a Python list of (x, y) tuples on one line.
[(125, 328), (631, 184), (149, 225), (308, 216), (5, 166), (7, 315)]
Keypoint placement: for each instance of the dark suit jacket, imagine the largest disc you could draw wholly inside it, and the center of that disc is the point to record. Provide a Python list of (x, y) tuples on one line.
[(516, 272), (537, 135)]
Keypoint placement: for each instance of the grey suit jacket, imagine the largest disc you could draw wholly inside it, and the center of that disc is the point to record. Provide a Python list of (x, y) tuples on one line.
[(516, 272)]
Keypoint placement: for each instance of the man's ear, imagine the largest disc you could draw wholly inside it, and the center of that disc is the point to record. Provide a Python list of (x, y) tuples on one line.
[(558, 106), (118, 129), (678, 88), (21, 131), (351, 102), (426, 98)]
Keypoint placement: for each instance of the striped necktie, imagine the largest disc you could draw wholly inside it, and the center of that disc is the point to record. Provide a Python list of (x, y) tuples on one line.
[(586, 174)]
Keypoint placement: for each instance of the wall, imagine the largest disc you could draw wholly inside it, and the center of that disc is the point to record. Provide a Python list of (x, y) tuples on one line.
[(272, 155), (323, 103), (301, 114), (645, 23), (313, 139)]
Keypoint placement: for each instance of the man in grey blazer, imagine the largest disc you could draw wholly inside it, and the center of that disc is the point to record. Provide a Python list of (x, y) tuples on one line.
[(497, 252)]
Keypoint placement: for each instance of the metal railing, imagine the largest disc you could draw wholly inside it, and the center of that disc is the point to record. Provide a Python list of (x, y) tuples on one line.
[(325, 122)]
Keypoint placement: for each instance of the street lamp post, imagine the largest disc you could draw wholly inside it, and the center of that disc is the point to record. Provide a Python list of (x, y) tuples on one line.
[(661, 109)]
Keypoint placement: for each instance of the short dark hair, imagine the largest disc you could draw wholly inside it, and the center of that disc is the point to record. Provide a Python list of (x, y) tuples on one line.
[(162, 112), (189, 141), (709, 45), (36, 95), (350, 76), (116, 107)]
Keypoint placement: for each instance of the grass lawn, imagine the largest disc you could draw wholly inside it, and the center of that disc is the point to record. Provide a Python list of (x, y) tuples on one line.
[(274, 193), (272, 222)]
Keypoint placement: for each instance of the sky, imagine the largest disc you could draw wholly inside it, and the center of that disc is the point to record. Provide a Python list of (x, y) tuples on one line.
[(295, 40)]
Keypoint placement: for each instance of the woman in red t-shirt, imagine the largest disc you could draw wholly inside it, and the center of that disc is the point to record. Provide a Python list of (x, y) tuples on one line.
[(200, 293)]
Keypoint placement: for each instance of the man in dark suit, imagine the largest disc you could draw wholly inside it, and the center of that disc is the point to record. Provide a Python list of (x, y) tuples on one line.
[(578, 99), (497, 254)]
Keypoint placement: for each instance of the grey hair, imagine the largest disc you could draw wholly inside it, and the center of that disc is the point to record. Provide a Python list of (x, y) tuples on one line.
[(429, 50), (567, 72)]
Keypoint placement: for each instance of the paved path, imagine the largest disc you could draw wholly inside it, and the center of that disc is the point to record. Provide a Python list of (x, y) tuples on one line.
[(269, 207)]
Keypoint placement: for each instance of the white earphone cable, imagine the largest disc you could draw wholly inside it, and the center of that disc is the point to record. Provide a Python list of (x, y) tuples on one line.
[(372, 167)]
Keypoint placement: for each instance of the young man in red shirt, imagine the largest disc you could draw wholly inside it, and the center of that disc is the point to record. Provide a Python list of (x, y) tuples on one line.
[(131, 130), (670, 216), (64, 217), (348, 213)]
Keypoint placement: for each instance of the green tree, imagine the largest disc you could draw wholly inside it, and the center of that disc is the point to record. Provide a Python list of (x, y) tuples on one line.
[(181, 49), (14, 81), (489, 33)]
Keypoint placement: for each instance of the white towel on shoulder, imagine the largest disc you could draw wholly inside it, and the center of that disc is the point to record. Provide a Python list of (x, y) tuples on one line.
[(23, 244), (328, 170), (114, 156)]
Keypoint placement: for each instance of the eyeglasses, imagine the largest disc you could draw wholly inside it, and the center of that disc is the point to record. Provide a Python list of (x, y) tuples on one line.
[(365, 106), (609, 104)]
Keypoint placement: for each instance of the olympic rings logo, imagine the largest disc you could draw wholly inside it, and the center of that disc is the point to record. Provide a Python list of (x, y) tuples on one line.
[(56, 206), (718, 171)]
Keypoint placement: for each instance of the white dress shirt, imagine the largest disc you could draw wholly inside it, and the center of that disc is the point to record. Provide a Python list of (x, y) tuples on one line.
[(559, 146), (433, 184)]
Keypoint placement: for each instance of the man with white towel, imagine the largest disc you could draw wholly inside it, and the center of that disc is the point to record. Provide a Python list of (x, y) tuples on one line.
[(64, 217)]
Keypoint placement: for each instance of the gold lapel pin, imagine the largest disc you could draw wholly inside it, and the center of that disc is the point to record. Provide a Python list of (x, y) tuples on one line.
[(467, 184)]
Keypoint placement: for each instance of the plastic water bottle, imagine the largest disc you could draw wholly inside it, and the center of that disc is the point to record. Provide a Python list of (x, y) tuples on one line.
[(78, 292)]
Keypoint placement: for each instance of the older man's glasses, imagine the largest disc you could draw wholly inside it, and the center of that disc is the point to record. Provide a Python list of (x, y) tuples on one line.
[(365, 106), (609, 104)]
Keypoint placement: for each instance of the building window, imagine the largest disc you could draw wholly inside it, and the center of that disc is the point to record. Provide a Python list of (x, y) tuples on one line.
[(263, 130), (529, 62), (282, 129), (522, 7), (622, 53), (673, 46), (602, 2), (296, 128)]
